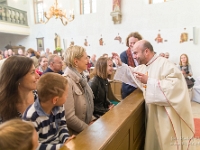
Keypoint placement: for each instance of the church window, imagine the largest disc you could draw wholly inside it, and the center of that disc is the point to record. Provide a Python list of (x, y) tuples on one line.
[(39, 11), (87, 6)]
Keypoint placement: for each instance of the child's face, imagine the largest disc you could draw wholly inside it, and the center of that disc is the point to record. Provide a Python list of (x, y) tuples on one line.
[(62, 99)]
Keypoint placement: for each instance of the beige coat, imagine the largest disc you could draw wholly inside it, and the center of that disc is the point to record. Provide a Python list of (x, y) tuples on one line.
[(76, 105)]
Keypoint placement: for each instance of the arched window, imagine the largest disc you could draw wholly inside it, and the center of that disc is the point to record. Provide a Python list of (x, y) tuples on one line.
[(39, 11), (87, 6)]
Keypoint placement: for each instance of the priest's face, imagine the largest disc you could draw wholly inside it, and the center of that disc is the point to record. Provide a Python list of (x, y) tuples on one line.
[(139, 54)]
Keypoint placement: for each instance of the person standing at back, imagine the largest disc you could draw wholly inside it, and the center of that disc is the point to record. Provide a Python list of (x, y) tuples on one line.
[(127, 58)]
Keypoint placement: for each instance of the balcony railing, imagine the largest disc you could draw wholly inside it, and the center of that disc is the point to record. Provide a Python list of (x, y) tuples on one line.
[(13, 15)]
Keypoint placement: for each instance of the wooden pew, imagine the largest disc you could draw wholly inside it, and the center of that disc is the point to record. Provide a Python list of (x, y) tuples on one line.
[(114, 90), (121, 128)]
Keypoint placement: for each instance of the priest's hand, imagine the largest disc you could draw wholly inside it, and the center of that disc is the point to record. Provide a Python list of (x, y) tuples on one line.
[(141, 77), (116, 56)]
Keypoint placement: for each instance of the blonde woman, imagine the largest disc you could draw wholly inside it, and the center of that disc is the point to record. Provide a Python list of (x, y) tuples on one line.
[(79, 105), (18, 135)]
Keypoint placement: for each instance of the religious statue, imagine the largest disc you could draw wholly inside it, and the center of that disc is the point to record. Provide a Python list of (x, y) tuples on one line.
[(71, 43), (116, 12), (159, 39), (101, 41), (118, 38), (184, 37), (57, 40), (86, 42), (116, 5)]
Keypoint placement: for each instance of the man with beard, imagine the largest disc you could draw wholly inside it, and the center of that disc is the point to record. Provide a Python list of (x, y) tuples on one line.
[(170, 123)]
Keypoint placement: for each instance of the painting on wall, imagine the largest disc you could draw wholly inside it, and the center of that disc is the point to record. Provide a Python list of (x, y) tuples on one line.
[(40, 43)]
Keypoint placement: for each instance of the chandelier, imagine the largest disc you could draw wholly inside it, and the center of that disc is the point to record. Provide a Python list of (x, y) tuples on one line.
[(54, 11)]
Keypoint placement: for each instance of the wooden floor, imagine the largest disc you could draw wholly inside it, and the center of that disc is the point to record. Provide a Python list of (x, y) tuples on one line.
[(196, 114)]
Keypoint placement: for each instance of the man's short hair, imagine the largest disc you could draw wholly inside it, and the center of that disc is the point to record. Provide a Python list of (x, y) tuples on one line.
[(51, 58), (135, 35), (51, 85), (148, 45)]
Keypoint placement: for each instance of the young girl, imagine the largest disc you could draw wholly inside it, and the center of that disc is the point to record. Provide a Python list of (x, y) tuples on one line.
[(99, 85), (186, 70), (184, 65), (43, 63)]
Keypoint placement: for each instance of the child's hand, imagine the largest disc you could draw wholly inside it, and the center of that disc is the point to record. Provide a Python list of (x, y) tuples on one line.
[(70, 138), (111, 106)]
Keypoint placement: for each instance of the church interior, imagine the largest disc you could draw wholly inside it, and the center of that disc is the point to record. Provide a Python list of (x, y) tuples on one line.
[(101, 27)]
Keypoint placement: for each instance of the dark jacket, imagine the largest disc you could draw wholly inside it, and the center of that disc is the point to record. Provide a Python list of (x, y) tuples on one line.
[(99, 87), (126, 88), (49, 70)]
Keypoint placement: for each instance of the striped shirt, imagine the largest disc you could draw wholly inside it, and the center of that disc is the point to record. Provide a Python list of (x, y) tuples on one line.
[(52, 129)]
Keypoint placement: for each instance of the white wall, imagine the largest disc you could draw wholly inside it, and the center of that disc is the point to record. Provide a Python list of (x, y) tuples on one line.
[(170, 18)]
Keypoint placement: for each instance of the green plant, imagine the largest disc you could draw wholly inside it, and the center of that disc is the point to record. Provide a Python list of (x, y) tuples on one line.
[(58, 49)]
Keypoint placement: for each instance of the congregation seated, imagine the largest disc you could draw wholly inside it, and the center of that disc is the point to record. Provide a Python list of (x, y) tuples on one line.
[(16, 134), (33, 55), (79, 105), (18, 80), (43, 63), (54, 64), (99, 85), (47, 112)]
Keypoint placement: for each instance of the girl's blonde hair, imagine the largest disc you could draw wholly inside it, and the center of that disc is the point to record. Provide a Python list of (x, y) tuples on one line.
[(16, 135), (101, 67)]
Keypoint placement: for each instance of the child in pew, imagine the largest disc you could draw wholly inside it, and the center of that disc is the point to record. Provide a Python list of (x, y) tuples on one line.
[(99, 85), (14, 132), (47, 112)]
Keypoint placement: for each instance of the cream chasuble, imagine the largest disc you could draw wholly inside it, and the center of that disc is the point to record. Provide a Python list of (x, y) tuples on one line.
[(170, 124)]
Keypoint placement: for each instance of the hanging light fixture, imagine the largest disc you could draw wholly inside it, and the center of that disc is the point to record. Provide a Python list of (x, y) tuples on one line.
[(54, 11)]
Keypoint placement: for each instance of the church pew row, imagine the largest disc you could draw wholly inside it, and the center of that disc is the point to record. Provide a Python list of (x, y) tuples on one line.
[(121, 128), (114, 90)]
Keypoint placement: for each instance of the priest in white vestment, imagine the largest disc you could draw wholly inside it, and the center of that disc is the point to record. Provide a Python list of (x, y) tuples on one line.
[(170, 124)]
